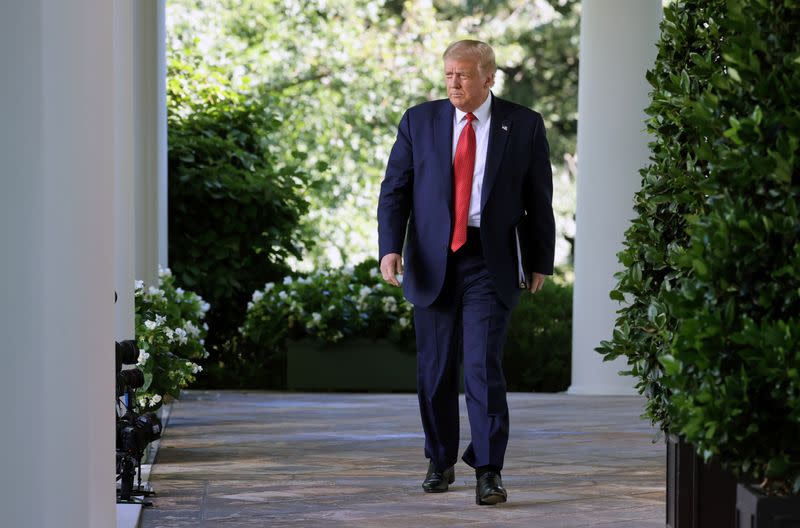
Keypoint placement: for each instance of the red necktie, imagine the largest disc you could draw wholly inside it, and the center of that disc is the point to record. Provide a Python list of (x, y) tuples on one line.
[(463, 168)]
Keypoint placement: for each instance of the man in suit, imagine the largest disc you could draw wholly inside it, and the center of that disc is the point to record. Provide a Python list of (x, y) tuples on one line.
[(463, 174)]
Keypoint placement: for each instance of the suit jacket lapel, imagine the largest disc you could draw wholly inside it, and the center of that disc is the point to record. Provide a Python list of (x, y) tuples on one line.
[(443, 148), (498, 135)]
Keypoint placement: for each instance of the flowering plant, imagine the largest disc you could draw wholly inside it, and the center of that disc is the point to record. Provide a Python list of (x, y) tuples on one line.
[(170, 336), (329, 306)]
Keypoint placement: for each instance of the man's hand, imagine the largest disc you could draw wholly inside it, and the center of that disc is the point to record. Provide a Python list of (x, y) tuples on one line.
[(391, 265), (537, 281)]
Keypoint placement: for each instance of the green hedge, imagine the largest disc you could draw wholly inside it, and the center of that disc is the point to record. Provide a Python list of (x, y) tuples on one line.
[(712, 329), (538, 349), (330, 306), (234, 208)]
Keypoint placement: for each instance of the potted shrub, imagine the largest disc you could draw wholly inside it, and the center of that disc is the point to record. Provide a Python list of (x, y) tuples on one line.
[(734, 367), (343, 329), (710, 289)]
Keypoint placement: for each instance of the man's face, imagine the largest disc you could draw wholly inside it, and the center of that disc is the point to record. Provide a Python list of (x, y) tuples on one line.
[(466, 87)]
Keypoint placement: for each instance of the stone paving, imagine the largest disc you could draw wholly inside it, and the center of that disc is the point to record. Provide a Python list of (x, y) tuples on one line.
[(231, 459)]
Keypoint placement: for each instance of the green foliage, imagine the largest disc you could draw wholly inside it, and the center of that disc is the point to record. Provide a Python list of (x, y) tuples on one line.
[(235, 208), (545, 74), (339, 74), (170, 336), (669, 197), (328, 306), (539, 344), (712, 329)]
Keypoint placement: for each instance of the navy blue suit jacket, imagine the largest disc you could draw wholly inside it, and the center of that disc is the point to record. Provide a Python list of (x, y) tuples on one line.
[(416, 198)]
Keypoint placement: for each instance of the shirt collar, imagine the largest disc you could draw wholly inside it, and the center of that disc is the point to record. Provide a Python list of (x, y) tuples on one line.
[(481, 113)]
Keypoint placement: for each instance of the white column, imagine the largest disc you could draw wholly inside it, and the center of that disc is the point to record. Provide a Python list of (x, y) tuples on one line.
[(150, 137), (57, 265), (617, 46), (124, 157)]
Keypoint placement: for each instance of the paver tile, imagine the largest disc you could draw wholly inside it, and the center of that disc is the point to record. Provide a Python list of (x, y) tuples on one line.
[(247, 459)]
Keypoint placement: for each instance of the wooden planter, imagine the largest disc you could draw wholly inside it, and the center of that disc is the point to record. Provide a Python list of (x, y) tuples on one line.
[(354, 365), (756, 510), (699, 495)]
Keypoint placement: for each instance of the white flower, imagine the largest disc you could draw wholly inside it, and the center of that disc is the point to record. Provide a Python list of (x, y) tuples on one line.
[(138, 284), (156, 398), (390, 304), (142, 401), (152, 290), (282, 295), (205, 352), (150, 325), (194, 366), (169, 333), (287, 280), (143, 357), (257, 296), (364, 291), (268, 286), (304, 280), (164, 272), (160, 319), (316, 317), (374, 273), (192, 330), (205, 327), (180, 335), (205, 307), (403, 322), (179, 291), (250, 305)]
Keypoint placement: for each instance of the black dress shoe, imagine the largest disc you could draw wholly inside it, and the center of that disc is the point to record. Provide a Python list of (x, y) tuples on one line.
[(489, 489), (438, 481)]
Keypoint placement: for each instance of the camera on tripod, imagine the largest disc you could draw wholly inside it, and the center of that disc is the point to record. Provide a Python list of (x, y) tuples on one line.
[(134, 431)]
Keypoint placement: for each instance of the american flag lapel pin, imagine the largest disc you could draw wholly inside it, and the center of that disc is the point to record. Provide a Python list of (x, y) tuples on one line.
[(504, 127)]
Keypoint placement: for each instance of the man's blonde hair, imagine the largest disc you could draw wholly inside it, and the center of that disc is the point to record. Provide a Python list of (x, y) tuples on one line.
[(475, 50)]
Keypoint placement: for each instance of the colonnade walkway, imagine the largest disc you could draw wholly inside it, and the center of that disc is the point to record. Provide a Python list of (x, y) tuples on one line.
[(255, 459)]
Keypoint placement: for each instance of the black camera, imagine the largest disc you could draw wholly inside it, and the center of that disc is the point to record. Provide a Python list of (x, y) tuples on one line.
[(134, 431)]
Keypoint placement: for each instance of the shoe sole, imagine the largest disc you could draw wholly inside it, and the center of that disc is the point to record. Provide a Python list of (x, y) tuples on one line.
[(434, 490), (490, 500)]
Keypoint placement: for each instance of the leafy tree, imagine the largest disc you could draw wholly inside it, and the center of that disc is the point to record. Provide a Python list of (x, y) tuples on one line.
[(339, 74)]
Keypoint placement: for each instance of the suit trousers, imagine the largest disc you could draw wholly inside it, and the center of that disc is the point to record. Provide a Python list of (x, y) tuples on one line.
[(468, 320)]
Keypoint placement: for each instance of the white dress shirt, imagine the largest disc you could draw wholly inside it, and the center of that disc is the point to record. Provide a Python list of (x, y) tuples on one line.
[(483, 118)]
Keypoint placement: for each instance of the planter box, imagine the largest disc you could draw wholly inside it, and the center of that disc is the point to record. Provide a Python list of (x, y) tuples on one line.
[(699, 495), (756, 510), (353, 365)]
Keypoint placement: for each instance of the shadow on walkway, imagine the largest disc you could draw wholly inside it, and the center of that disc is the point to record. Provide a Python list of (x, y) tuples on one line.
[(254, 459)]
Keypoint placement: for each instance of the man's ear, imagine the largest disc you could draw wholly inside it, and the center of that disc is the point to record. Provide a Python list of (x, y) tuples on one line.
[(490, 80)]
